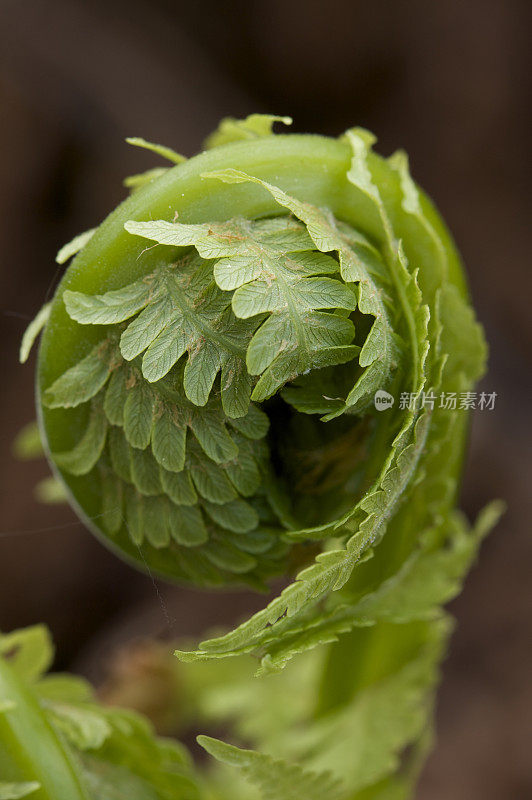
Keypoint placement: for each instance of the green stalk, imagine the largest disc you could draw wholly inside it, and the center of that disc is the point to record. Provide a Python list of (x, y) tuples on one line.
[(30, 749)]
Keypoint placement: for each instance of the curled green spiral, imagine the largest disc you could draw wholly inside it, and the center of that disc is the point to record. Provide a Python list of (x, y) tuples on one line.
[(261, 364), (208, 370)]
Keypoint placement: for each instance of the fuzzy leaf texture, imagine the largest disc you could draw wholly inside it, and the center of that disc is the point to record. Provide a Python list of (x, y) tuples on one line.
[(208, 377)]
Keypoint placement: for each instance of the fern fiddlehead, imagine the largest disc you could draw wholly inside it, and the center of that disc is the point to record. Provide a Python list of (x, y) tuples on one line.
[(208, 386)]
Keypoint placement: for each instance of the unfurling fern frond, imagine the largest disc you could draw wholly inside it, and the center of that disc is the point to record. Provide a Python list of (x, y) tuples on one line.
[(243, 375)]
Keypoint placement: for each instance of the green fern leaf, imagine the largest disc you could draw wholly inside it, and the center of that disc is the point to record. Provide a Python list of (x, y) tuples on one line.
[(276, 779)]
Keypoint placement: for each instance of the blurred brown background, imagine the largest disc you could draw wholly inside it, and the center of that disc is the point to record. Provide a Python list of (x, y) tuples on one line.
[(448, 81)]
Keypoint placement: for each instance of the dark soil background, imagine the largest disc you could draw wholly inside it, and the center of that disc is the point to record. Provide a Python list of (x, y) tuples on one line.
[(449, 82)]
